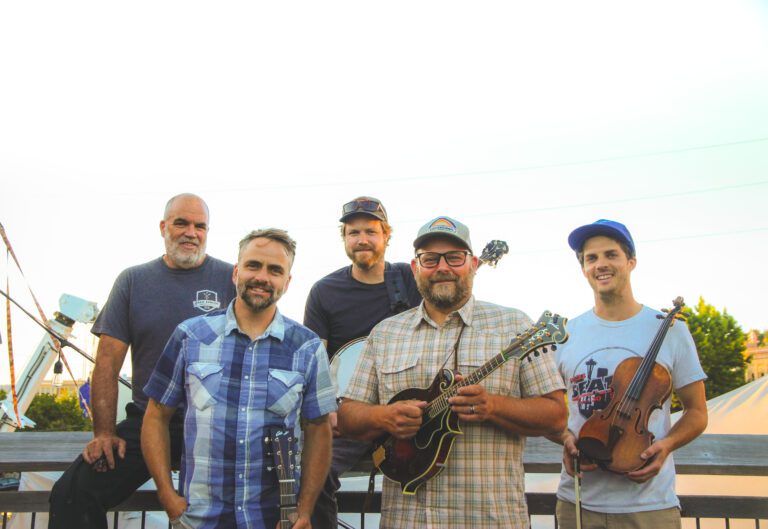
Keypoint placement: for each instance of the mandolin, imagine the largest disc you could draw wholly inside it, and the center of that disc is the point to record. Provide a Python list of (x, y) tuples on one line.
[(412, 462), (280, 443), (615, 437)]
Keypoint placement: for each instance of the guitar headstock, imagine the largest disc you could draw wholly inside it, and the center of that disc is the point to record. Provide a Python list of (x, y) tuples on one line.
[(550, 329), (280, 444), (493, 252)]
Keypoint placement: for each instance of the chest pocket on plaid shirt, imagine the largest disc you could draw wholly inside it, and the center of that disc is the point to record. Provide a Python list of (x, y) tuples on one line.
[(204, 380), (284, 390), (399, 372), (484, 347)]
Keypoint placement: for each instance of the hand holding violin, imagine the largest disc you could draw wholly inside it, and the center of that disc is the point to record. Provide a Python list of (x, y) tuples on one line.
[(655, 455), (570, 452)]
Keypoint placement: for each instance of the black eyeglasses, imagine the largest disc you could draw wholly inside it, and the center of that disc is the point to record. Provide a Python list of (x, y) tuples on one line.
[(452, 258), (371, 206)]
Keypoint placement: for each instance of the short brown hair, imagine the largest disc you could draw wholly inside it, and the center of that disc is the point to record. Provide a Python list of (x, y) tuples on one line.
[(274, 234)]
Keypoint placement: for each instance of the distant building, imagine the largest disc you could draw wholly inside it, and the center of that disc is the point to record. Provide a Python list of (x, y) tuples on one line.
[(758, 367)]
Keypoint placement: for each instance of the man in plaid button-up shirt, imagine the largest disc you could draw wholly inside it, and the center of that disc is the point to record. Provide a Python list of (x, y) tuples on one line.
[(239, 372), (482, 484)]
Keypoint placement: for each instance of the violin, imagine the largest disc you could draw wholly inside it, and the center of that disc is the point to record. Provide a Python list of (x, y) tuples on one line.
[(615, 437)]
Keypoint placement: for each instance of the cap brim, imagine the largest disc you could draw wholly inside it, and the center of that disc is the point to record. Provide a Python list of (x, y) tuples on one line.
[(420, 240), (579, 236), (377, 216)]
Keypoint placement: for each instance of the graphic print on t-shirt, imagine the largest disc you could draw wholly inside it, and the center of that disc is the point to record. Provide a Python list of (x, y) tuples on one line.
[(590, 383), (206, 300)]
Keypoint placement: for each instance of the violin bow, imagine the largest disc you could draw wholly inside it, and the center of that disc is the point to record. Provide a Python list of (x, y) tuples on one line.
[(577, 489)]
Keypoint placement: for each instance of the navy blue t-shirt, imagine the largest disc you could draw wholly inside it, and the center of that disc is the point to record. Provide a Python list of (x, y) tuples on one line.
[(149, 300), (339, 308)]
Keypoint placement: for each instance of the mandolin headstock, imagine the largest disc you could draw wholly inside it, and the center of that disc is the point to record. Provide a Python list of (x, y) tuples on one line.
[(550, 329)]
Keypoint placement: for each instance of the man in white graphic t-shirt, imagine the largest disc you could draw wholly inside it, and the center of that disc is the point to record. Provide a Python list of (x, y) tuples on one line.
[(617, 328)]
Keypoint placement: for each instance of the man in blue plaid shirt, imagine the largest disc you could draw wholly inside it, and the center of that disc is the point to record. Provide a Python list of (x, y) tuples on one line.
[(239, 372)]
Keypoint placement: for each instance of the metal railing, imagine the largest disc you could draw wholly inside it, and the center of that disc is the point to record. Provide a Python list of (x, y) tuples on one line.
[(736, 455)]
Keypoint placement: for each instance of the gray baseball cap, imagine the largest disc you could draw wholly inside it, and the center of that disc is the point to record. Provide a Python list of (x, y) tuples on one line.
[(445, 227)]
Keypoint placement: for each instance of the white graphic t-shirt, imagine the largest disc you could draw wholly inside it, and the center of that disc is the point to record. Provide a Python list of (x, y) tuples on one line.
[(587, 362)]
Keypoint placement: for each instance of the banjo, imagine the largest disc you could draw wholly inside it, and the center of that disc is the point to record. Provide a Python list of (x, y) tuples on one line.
[(345, 359)]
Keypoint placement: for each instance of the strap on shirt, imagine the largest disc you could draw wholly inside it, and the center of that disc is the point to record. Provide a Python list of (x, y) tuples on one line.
[(393, 278)]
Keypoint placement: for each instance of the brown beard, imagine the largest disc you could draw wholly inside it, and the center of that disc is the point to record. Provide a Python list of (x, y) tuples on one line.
[(257, 304), (376, 257)]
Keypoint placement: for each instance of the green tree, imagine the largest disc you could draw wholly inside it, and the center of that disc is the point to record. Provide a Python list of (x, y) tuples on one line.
[(57, 414), (3, 394), (720, 342)]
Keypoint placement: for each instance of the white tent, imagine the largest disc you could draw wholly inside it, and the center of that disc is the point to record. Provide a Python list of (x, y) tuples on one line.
[(741, 411)]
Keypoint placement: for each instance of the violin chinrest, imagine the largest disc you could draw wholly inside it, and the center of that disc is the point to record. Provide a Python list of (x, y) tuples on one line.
[(595, 450)]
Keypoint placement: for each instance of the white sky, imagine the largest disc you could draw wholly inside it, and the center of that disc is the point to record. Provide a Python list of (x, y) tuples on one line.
[(523, 120)]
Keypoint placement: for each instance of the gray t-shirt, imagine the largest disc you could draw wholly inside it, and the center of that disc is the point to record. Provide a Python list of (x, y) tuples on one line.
[(587, 362), (149, 300)]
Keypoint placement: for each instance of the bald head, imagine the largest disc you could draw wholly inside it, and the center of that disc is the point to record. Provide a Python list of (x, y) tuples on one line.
[(185, 230), (184, 196)]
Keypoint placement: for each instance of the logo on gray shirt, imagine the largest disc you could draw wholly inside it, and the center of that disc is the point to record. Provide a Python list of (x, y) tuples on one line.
[(207, 300)]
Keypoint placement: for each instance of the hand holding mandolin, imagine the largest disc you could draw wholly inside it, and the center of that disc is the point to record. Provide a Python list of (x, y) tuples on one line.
[(403, 419), (472, 403)]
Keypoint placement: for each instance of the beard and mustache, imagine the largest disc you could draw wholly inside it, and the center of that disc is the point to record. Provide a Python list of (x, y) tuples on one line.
[(258, 303), (180, 256), (365, 261), (445, 290)]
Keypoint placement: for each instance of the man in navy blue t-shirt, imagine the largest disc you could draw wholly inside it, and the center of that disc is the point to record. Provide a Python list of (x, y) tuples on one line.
[(347, 304), (145, 305)]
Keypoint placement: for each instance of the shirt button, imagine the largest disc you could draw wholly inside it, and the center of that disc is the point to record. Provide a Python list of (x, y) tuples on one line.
[(242, 441), (246, 377), (242, 409), (239, 507), (241, 476)]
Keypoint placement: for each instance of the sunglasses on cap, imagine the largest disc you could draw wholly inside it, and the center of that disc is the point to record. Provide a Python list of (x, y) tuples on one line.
[(367, 206)]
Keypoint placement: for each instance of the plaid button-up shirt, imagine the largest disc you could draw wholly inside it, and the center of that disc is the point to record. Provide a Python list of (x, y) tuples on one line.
[(482, 485), (234, 389)]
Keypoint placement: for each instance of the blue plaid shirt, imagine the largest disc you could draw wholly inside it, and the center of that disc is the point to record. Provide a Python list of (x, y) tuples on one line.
[(233, 390)]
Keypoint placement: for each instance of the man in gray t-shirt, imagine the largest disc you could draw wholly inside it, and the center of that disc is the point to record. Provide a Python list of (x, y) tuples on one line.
[(145, 305)]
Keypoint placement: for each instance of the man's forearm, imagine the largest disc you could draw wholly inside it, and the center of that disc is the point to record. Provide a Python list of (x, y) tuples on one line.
[(534, 416), (316, 462), (357, 420), (694, 417), (156, 445), (109, 359), (104, 402)]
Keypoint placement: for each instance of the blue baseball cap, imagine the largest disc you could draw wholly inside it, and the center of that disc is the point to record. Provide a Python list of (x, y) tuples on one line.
[(608, 228)]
